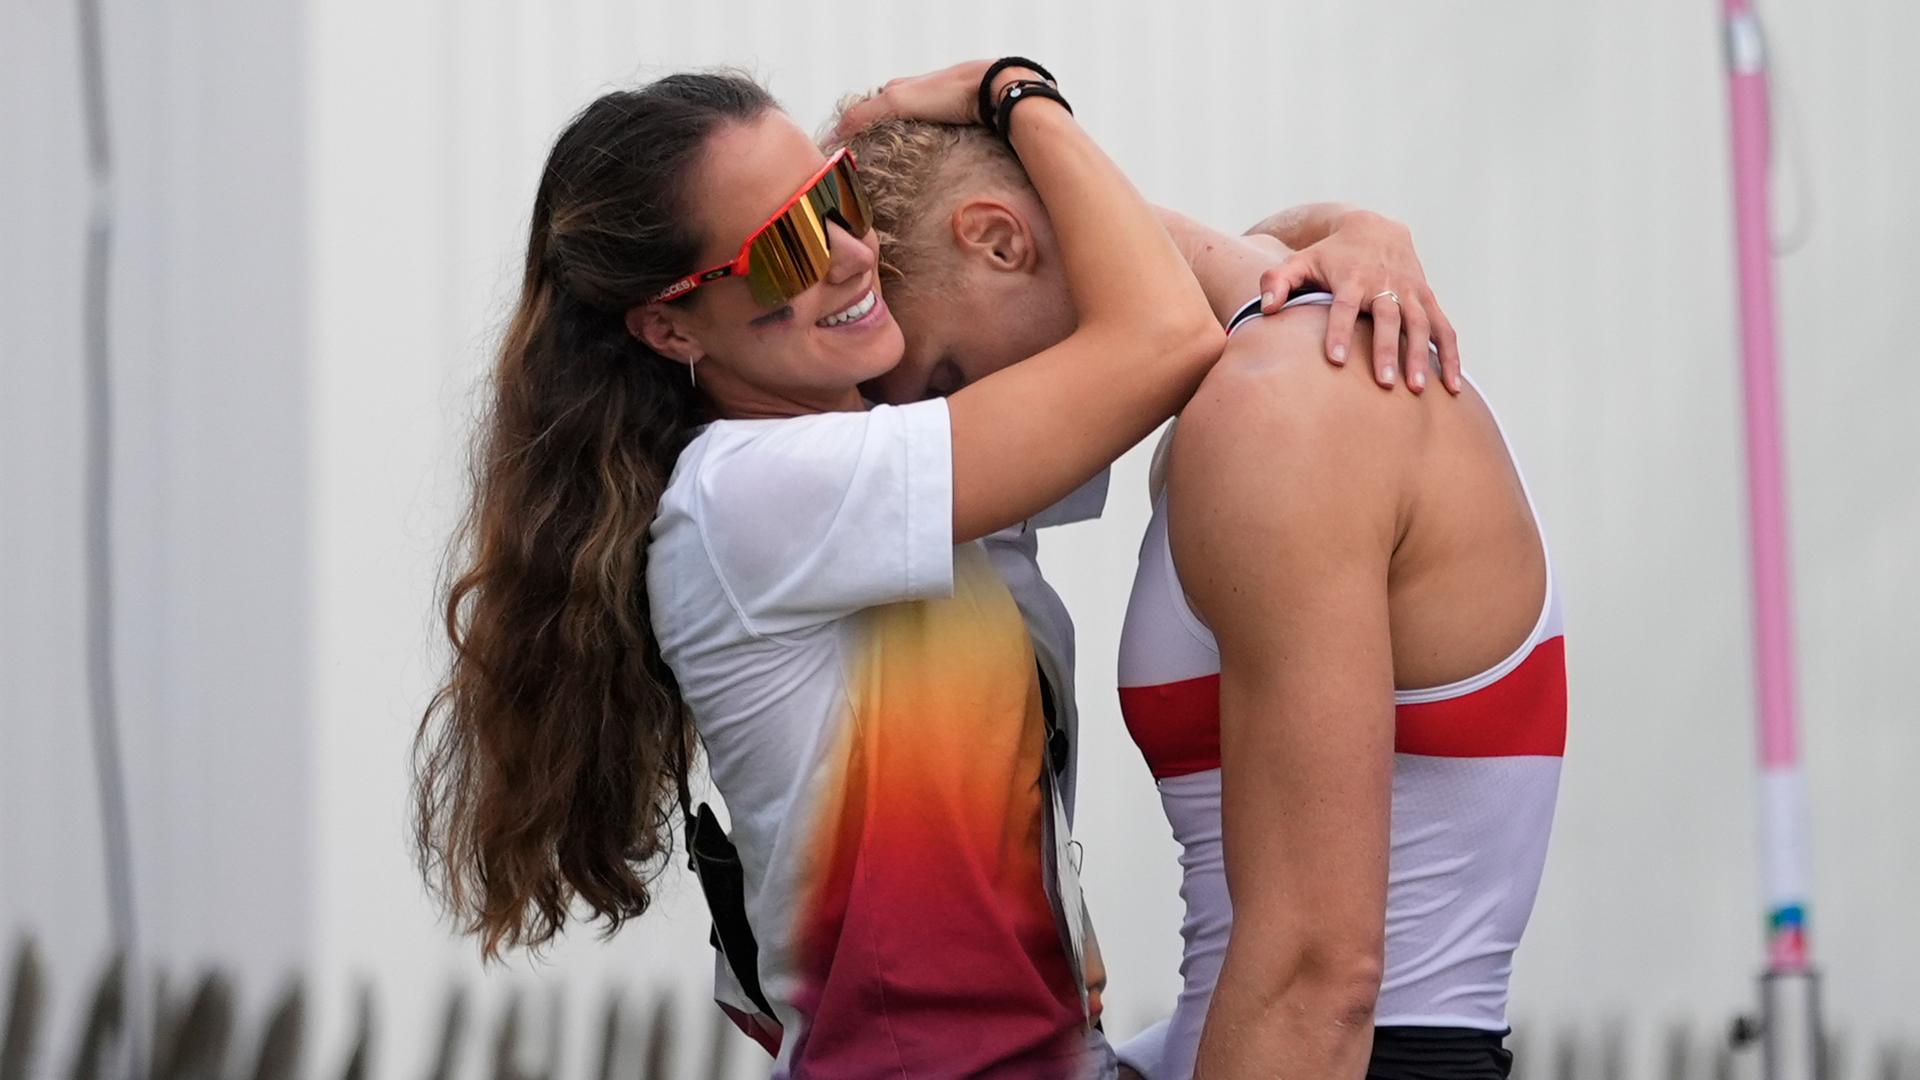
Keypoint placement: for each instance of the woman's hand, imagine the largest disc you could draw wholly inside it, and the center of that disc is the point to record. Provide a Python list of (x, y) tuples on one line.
[(948, 96), (1366, 261)]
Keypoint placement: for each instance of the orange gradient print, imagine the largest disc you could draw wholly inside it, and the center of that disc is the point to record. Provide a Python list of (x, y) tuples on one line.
[(926, 939)]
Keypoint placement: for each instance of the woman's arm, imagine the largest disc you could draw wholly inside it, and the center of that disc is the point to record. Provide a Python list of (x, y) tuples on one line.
[(1353, 253), (1026, 436), (1358, 255)]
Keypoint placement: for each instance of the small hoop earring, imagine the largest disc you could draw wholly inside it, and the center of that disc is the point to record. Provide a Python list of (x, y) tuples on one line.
[(693, 379)]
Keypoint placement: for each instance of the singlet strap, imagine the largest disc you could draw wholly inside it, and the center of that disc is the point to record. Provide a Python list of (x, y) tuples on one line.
[(1248, 310), (1310, 293)]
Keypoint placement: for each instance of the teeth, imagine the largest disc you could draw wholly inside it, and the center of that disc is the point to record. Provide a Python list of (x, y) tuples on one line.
[(847, 315)]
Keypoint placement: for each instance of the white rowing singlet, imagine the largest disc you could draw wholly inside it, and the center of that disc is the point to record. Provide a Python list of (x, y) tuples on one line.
[(1476, 773)]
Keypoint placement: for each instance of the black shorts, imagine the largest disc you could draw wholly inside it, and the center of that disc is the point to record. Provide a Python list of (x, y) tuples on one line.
[(1437, 1053)]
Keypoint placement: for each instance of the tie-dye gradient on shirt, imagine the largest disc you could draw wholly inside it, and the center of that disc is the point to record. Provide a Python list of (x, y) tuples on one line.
[(868, 699), (926, 940)]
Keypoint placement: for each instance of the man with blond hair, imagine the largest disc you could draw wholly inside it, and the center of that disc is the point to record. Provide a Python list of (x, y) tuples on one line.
[(1342, 659)]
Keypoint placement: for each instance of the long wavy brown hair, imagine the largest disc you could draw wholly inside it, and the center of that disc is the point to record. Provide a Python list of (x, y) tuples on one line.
[(545, 765)]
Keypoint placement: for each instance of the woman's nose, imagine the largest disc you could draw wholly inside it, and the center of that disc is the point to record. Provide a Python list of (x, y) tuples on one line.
[(851, 257)]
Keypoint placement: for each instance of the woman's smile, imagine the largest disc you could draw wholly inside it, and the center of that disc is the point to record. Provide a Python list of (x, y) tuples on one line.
[(857, 315)]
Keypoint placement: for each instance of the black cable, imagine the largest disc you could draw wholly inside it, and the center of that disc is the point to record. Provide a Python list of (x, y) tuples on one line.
[(103, 706)]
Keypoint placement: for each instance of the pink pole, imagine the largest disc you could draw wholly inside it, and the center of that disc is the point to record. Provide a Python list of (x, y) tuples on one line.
[(1783, 790)]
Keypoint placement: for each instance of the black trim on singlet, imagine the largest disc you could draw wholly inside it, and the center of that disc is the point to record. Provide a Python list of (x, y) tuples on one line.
[(1247, 311), (1439, 1053), (1251, 308)]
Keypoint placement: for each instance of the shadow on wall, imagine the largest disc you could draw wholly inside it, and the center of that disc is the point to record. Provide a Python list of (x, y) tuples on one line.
[(195, 1039)]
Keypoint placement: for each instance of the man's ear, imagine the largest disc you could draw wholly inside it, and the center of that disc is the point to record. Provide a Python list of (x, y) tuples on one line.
[(664, 330), (988, 228)]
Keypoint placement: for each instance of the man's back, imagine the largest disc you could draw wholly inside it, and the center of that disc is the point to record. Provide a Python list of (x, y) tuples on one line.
[(1468, 564), (1373, 649)]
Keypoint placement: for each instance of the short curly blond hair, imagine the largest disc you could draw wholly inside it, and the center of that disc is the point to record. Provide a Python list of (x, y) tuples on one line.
[(913, 172)]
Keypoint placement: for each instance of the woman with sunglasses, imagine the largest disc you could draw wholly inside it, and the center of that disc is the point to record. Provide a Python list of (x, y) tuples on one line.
[(685, 517)]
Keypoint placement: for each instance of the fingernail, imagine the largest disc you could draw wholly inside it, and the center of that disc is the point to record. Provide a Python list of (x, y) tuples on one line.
[(1386, 375), (1339, 354), (1266, 300), (1417, 378)]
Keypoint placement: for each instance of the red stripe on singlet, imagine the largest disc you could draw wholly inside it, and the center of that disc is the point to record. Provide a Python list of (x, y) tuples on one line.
[(1176, 725), (1522, 714)]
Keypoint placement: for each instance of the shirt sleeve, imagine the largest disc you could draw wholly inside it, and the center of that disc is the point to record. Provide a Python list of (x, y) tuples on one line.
[(1084, 503), (1143, 1052), (811, 519)]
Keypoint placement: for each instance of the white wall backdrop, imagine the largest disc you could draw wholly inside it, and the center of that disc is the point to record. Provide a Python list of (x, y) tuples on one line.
[(325, 206), (212, 448)]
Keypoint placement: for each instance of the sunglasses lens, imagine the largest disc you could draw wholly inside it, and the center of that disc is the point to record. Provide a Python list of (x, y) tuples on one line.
[(772, 273), (793, 251), (839, 195), (788, 256)]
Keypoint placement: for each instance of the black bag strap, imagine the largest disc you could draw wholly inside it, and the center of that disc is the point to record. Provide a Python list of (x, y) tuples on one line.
[(716, 862), (1057, 746), (686, 801)]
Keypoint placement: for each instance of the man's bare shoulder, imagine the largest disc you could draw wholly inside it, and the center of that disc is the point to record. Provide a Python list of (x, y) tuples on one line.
[(1284, 469), (1284, 453), (1274, 390)]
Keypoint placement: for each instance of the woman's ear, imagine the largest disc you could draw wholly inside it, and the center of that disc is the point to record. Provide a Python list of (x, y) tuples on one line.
[(991, 230), (663, 330)]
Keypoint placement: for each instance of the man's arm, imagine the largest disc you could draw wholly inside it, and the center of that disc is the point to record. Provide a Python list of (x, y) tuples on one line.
[(1227, 267), (1289, 568)]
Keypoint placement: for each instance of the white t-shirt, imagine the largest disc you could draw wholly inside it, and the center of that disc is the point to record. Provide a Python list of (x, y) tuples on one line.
[(867, 697)]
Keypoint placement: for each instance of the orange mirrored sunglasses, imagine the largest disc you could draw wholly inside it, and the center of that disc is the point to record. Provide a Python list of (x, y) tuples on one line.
[(785, 256)]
